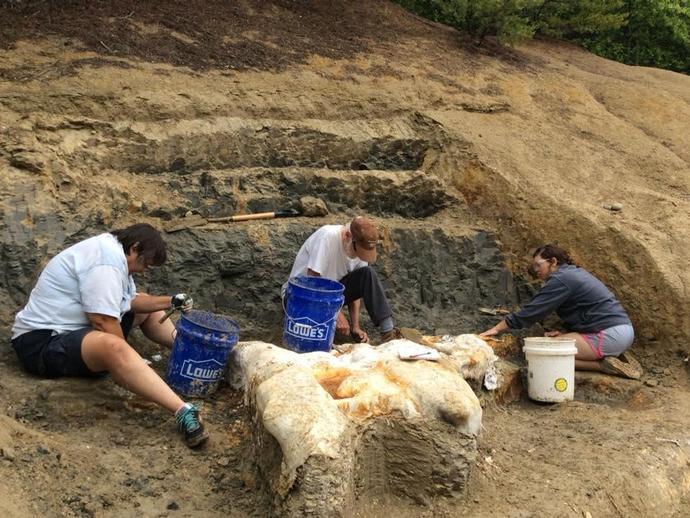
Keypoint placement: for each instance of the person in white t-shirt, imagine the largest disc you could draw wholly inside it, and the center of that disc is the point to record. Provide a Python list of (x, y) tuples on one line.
[(343, 253), (82, 308)]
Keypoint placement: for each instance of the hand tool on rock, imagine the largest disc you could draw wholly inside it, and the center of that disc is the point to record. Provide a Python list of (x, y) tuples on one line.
[(287, 213), (196, 220)]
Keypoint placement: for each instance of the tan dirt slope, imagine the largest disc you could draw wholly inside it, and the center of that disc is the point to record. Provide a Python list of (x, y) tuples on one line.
[(99, 100), (537, 140)]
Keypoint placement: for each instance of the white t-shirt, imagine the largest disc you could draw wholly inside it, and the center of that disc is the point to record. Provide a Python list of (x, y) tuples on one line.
[(323, 253), (89, 277)]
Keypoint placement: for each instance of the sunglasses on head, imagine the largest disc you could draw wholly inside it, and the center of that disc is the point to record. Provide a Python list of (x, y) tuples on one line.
[(537, 264)]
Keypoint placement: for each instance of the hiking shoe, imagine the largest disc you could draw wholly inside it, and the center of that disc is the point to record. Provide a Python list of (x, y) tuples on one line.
[(628, 358), (398, 333), (189, 423), (618, 367)]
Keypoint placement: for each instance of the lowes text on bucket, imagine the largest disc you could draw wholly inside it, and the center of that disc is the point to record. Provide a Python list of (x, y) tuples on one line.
[(207, 370), (306, 331)]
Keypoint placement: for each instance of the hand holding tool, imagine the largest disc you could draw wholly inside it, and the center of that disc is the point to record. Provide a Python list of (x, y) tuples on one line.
[(180, 302)]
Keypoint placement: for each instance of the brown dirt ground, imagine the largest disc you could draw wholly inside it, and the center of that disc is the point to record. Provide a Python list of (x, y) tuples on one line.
[(86, 448), (219, 34)]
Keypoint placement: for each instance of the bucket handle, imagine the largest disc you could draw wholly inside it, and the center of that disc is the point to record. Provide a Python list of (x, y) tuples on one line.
[(282, 300)]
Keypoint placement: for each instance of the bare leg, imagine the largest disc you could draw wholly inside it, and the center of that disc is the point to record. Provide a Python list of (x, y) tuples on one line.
[(585, 359), (587, 365), (107, 352), (163, 334)]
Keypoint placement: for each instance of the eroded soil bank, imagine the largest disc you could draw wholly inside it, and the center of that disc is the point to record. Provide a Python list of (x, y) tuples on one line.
[(113, 114)]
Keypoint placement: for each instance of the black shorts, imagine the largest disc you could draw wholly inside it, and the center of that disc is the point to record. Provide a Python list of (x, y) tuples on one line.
[(52, 355)]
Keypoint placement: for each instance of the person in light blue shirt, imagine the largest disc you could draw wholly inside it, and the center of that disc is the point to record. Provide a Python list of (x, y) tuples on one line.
[(83, 306), (590, 313)]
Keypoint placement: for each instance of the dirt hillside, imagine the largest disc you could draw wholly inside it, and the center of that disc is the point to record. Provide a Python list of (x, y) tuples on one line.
[(117, 112)]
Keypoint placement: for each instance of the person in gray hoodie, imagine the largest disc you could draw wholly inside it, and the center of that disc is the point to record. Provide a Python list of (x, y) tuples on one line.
[(590, 313)]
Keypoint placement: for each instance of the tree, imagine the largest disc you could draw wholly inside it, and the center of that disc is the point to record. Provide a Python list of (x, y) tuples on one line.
[(504, 19), (512, 21), (573, 18), (639, 32), (657, 33)]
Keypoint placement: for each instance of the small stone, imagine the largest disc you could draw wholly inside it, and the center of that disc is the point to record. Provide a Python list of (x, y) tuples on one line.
[(7, 453), (178, 165), (651, 382), (421, 499), (43, 449), (313, 207), (173, 506), (615, 206), (27, 161)]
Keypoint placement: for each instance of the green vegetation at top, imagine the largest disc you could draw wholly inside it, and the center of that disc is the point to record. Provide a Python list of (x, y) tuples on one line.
[(638, 32)]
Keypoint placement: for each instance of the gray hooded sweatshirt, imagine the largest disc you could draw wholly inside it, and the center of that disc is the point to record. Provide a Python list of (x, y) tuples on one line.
[(581, 300)]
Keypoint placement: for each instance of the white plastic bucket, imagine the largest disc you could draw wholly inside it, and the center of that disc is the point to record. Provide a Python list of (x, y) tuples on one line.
[(550, 368)]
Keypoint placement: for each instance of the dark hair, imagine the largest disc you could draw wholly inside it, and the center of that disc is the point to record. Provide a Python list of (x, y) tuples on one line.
[(148, 241), (553, 251)]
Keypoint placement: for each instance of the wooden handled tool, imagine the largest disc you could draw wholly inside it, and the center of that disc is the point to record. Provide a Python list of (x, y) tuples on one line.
[(259, 215), (166, 316), (197, 221)]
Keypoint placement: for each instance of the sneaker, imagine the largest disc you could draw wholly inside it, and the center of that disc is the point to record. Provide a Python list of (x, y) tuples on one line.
[(189, 423), (398, 333), (618, 367)]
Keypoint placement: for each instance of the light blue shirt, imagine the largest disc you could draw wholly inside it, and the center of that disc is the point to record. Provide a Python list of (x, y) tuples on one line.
[(89, 277)]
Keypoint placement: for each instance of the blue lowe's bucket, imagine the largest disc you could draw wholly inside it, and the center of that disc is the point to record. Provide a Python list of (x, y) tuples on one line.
[(311, 309), (200, 352)]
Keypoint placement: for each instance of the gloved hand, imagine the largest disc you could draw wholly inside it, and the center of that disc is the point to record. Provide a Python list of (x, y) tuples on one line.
[(183, 302)]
